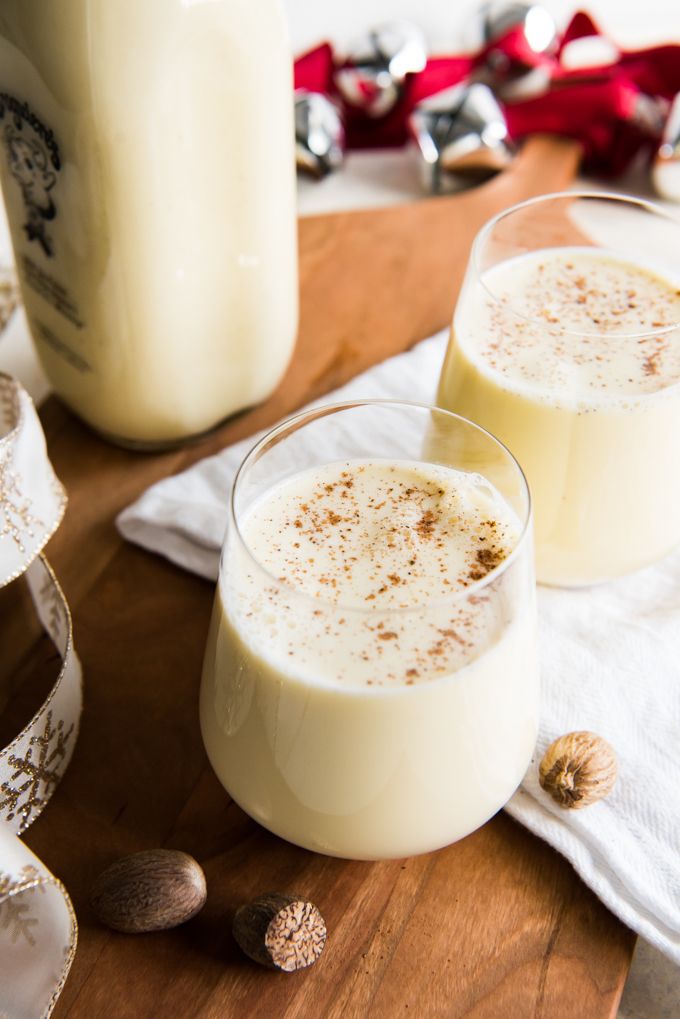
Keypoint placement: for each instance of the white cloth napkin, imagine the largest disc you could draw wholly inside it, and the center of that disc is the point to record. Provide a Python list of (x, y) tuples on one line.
[(610, 663)]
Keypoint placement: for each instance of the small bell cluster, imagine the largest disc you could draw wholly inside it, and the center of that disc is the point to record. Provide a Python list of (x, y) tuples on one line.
[(466, 113)]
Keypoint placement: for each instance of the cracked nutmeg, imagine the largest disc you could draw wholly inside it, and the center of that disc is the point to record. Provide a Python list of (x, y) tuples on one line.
[(280, 931), (578, 769)]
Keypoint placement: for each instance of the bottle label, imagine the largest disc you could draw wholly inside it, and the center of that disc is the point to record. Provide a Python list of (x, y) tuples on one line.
[(34, 162), (49, 289)]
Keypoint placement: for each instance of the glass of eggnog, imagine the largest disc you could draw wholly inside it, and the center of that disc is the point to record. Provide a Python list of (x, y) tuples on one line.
[(370, 685), (566, 344)]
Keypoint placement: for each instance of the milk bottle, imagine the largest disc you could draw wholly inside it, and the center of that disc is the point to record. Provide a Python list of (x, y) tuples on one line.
[(147, 165)]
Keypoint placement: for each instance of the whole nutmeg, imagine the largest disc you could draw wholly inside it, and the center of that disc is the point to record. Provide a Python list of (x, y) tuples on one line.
[(149, 891), (280, 931), (578, 769)]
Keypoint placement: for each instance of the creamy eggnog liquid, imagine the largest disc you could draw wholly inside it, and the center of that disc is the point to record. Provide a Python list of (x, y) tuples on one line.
[(355, 700), (146, 156), (570, 357)]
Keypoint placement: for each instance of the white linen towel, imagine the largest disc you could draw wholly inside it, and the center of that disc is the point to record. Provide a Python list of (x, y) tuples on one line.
[(610, 663)]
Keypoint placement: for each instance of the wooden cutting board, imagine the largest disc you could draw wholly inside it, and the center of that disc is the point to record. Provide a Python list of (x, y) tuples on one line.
[(496, 925)]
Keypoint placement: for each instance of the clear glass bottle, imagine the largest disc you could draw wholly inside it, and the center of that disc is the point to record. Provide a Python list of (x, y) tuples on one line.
[(147, 165)]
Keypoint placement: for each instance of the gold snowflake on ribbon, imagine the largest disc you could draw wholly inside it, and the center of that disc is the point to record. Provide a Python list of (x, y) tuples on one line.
[(51, 601), (16, 518), (41, 773), (15, 917)]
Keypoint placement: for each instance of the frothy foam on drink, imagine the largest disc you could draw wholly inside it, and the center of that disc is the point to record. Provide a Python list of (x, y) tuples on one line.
[(345, 549), (570, 322)]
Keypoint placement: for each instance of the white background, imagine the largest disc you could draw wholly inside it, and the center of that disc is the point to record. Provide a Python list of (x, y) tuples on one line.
[(632, 24)]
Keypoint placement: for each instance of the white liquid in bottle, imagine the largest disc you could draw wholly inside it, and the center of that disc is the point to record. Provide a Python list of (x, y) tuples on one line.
[(147, 164)]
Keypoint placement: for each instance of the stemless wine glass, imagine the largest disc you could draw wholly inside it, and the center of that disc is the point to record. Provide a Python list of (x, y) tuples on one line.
[(566, 345), (377, 716)]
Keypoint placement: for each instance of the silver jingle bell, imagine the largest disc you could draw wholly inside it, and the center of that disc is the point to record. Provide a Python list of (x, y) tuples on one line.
[(496, 17), (666, 165), (539, 28), (319, 134), (462, 137), (379, 63)]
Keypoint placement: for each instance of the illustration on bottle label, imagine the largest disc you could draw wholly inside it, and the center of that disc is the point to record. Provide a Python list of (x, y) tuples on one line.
[(33, 158)]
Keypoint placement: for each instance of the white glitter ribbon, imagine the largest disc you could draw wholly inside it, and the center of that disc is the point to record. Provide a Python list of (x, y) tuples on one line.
[(38, 929)]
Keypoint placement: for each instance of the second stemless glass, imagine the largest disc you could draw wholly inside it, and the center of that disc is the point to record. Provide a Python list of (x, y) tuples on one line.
[(602, 456), (303, 715)]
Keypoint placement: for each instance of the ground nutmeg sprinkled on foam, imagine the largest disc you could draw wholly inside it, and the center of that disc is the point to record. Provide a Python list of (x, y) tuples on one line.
[(570, 321), (366, 540)]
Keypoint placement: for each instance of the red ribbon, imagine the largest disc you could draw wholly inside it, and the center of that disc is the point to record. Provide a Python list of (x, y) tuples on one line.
[(615, 110)]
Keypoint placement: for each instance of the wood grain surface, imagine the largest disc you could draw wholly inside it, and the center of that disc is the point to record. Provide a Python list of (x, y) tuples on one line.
[(497, 925)]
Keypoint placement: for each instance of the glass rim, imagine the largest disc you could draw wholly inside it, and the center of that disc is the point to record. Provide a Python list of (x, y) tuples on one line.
[(610, 196), (294, 421)]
